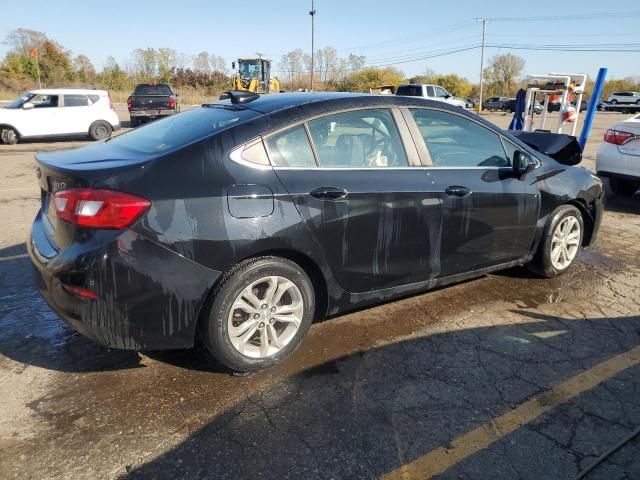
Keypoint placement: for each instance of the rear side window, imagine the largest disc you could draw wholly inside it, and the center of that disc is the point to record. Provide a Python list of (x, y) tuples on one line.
[(358, 139), (291, 148), (454, 141), (153, 90), (76, 101), (430, 91), (94, 98), (182, 129), (410, 90)]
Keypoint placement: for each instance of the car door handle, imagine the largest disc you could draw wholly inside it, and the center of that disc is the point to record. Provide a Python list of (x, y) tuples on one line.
[(457, 191), (328, 193)]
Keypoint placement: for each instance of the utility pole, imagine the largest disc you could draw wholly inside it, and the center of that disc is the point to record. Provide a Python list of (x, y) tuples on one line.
[(484, 29), (312, 13)]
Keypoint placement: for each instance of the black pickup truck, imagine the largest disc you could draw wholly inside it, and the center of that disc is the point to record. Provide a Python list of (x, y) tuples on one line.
[(150, 101)]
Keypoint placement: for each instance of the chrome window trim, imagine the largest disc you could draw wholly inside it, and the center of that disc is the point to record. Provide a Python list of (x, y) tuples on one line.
[(236, 155)]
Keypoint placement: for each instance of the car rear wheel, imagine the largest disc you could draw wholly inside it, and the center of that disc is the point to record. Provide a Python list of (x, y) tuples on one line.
[(9, 136), (622, 188), (100, 130), (260, 312), (134, 122), (561, 242), (614, 101)]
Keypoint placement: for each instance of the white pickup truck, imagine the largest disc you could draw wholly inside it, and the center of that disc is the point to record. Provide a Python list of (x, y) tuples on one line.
[(432, 92)]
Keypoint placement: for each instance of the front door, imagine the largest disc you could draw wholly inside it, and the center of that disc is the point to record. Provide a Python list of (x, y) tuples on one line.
[(489, 213), (370, 212), (42, 118)]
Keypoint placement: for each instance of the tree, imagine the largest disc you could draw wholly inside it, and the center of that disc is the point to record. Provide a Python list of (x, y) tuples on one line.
[(23, 40), (145, 63), (217, 64), (502, 73), (166, 59), (85, 72), (201, 63)]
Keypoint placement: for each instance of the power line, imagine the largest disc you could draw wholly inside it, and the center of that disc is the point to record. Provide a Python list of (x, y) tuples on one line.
[(564, 18)]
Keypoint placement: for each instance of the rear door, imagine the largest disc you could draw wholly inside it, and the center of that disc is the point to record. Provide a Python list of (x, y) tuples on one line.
[(75, 114), (489, 214), (355, 179)]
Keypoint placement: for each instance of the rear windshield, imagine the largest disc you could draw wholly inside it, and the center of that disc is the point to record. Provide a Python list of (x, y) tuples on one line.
[(410, 90), (181, 129), (152, 90)]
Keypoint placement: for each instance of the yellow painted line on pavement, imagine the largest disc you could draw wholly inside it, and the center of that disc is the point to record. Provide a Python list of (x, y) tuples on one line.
[(441, 459)]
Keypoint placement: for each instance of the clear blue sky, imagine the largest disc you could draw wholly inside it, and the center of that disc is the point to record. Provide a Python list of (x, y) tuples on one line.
[(383, 31)]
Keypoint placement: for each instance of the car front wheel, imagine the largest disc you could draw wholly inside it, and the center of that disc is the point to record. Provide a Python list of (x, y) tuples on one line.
[(9, 136), (260, 312), (560, 243)]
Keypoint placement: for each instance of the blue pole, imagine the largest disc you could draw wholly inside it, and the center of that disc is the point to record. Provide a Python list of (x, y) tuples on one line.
[(592, 107)]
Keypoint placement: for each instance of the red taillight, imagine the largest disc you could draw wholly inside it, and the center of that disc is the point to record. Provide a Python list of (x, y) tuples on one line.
[(617, 137), (80, 292), (95, 208), (129, 103), (172, 102)]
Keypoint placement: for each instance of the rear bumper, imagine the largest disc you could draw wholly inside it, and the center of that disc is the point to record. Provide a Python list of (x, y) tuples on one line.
[(148, 297), (151, 113), (611, 162)]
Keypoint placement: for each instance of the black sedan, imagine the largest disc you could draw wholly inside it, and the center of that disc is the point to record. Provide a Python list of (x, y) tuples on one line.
[(244, 220)]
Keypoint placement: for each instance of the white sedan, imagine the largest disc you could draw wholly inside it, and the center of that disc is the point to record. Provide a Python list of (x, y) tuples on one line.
[(619, 157)]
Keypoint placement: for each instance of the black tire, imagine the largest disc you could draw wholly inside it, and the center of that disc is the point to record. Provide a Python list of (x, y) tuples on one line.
[(100, 130), (134, 122), (213, 327), (542, 263), (622, 188), (614, 102), (9, 136)]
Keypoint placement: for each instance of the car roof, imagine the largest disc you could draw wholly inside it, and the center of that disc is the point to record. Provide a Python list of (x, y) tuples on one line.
[(319, 101), (68, 91)]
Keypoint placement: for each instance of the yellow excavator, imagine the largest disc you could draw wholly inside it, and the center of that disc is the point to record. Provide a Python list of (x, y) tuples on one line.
[(254, 75)]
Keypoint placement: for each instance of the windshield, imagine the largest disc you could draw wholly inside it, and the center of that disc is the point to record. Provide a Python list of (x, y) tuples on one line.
[(249, 69), (182, 129), (21, 100)]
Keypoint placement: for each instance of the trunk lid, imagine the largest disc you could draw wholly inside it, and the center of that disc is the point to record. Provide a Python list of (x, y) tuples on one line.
[(84, 167), (150, 102)]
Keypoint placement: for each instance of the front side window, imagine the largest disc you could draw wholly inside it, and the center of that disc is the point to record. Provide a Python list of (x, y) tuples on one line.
[(76, 101), (410, 90), (358, 139), (441, 92), (454, 141), (44, 101), (291, 148)]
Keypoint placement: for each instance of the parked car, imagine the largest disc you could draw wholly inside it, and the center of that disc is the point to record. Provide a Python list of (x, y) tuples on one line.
[(432, 92), (510, 107), (471, 102), (624, 97), (243, 220), (496, 103), (618, 157), (555, 107), (150, 101), (58, 112)]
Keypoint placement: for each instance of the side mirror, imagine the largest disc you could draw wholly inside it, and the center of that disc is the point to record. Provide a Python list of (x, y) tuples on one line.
[(233, 65), (522, 163), (27, 106), (448, 95)]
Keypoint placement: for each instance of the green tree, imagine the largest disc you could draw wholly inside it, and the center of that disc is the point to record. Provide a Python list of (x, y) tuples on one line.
[(502, 73)]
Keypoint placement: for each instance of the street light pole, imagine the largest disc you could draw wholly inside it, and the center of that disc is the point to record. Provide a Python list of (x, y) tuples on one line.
[(312, 13), (484, 28)]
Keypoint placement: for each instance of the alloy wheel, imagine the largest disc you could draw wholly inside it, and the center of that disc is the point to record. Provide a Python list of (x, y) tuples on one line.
[(565, 242), (265, 317)]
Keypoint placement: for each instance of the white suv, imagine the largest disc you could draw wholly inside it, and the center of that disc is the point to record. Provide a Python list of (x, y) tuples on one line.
[(56, 112), (619, 157), (624, 97), (432, 92)]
